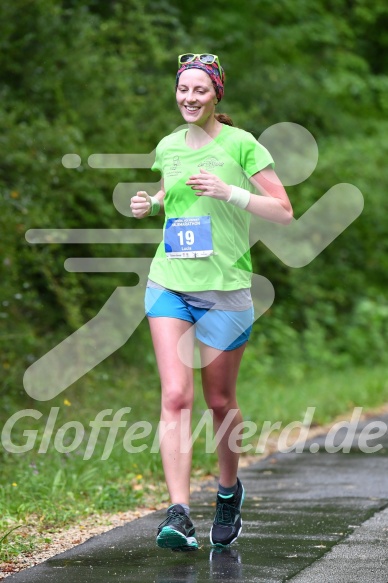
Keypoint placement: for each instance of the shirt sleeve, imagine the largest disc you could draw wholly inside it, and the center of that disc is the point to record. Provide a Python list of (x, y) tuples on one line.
[(157, 166), (254, 156)]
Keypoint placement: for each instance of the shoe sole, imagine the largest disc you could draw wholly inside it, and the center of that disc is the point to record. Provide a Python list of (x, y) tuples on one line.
[(221, 545), (169, 538)]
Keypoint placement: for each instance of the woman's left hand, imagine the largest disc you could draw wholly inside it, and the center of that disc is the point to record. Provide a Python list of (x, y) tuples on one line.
[(207, 184)]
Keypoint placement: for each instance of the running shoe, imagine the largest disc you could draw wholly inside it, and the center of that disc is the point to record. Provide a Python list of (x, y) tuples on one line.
[(177, 532), (227, 523)]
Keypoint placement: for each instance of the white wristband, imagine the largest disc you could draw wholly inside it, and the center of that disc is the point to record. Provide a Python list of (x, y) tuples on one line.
[(155, 206), (239, 197)]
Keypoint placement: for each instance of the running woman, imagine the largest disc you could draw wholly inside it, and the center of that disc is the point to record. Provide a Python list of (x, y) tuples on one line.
[(214, 177)]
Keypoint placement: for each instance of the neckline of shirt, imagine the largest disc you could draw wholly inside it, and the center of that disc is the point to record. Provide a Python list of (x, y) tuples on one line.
[(205, 145)]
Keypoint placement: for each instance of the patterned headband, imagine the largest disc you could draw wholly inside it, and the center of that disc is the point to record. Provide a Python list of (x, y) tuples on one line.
[(211, 69)]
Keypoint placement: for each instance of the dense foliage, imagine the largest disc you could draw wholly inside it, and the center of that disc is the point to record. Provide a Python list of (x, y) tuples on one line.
[(81, 76)]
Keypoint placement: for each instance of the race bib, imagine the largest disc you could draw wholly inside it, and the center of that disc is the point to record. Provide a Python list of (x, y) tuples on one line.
[(188, 238)]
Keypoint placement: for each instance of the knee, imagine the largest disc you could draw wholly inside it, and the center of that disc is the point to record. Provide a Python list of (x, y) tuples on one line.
[(221, 404), (176, 398)]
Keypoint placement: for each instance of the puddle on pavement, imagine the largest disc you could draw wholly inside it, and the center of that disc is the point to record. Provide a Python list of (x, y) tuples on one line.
[(279, 540)]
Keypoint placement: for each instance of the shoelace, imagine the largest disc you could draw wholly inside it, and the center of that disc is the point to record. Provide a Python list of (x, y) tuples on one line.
[(173, 517), (225, 513)]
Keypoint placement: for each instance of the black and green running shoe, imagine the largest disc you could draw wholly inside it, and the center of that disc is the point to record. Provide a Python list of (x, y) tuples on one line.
[(177, 532), (227, 523)]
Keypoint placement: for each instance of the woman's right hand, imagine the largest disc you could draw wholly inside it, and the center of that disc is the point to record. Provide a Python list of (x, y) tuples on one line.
[(141, 205)]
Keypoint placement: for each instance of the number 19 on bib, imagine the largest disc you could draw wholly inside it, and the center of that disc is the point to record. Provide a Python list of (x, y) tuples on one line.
[(188, 237)]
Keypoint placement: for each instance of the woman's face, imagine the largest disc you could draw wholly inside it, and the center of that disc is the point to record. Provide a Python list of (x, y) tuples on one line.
[(195, 96)]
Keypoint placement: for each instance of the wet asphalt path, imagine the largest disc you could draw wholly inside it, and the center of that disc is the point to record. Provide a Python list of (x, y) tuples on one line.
[(307, 518)]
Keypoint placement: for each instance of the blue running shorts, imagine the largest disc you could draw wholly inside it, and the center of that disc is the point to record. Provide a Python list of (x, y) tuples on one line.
[(221, 329)]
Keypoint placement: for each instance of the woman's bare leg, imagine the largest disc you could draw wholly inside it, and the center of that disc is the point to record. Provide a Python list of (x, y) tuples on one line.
[(177, 395), (219, 379)]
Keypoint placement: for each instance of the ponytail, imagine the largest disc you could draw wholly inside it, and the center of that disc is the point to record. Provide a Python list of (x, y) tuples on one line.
[(223, 118)]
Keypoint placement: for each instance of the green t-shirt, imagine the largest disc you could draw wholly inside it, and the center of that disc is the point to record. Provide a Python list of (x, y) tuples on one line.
[(234, 155)]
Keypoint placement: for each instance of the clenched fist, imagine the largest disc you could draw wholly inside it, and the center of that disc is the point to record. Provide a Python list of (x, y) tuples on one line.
[(141, 205)]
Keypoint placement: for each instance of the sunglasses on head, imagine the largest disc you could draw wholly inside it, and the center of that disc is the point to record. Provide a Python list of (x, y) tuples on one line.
[(205, 58)]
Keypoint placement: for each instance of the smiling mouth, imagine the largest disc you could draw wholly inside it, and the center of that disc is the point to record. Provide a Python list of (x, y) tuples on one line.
[(191, 109)]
